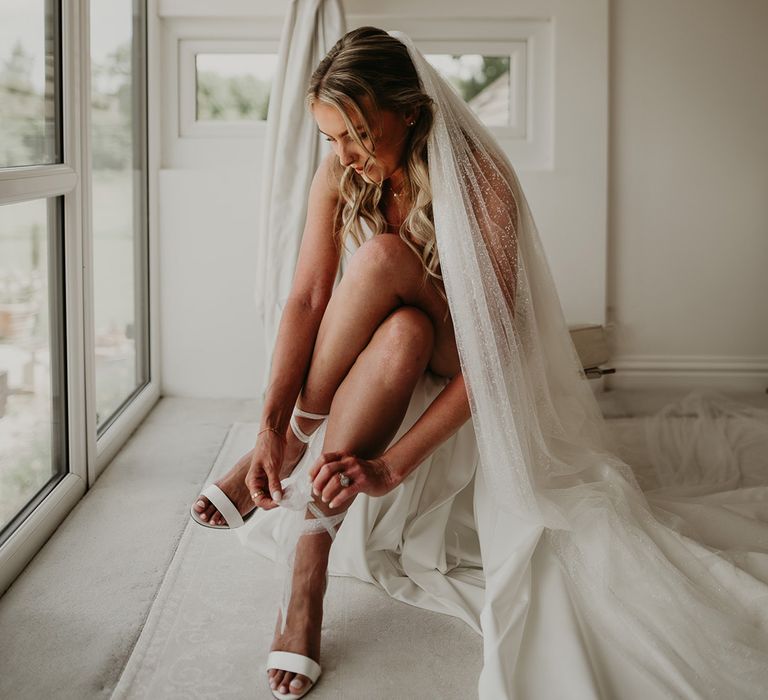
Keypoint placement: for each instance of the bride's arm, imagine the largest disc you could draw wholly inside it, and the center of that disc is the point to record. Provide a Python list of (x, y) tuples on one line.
[(311, 290), (443, 417)]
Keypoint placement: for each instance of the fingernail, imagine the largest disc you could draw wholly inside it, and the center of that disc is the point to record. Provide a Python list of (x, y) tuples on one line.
[(278, 496), (332, 504)]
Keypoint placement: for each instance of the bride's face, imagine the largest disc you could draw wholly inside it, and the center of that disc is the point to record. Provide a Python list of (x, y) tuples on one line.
[(389, 130)]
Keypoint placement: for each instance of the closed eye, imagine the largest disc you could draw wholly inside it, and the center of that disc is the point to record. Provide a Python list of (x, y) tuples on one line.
[(363, 137)]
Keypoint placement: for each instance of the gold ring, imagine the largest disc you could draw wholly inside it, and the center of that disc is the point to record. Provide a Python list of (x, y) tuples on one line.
[(256, 493)]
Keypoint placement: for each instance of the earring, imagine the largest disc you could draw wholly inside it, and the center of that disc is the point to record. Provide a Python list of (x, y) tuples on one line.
[(411, 123)]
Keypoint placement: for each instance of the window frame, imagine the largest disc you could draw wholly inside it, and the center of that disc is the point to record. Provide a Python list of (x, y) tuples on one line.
[(189, 126)]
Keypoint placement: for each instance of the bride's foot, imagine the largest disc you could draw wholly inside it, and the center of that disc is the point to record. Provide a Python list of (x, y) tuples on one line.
[(233, 482), (305, 611), (233, 485)]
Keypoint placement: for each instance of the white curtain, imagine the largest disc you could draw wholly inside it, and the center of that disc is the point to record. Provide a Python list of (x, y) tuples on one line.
[(292, 153)]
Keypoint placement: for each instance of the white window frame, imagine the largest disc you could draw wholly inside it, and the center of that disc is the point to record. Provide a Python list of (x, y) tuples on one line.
[(186, 143), (189, 126)]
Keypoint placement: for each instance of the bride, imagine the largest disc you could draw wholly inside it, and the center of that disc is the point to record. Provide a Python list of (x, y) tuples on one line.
[(524, 521)]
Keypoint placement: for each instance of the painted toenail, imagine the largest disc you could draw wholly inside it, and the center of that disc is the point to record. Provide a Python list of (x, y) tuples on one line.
[(272, 684), (296, 683), (283, 689)]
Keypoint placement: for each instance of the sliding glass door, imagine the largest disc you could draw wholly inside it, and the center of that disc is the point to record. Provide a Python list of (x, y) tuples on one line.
[(74, 291), (33, 380)]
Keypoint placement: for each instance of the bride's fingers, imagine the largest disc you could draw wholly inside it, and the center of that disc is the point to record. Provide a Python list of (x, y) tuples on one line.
[(324, 475), (324, 458), (331, 489), (344, 496)]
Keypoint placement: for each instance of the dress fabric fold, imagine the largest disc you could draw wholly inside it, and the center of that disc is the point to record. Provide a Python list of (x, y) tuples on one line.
[(594, 563)]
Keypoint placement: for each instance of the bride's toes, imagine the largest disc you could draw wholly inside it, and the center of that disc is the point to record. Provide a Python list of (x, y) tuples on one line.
[(200, 505), (297, 683), (285, 684), (289, 682), (277, 679)]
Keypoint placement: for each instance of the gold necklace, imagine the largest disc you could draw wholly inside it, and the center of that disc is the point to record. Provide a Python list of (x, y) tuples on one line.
[(399, 192)]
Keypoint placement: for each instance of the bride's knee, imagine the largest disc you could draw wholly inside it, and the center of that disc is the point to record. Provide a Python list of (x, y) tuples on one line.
[(385, 257), (407, 334)]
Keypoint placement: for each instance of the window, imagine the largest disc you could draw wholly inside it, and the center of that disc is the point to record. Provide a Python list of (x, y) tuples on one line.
[(74, 333), (233, 87), (483, 82), (33, 410), (224, 87), (119, 205)]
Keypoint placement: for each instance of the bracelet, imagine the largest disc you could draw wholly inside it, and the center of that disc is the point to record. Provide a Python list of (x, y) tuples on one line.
[(275, 431)]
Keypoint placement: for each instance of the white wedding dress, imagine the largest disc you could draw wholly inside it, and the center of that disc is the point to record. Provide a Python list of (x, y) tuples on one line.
[(438, 542), (592, 565)]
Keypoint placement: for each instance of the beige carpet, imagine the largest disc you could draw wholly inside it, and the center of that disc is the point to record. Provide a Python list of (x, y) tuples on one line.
[(211, 626)]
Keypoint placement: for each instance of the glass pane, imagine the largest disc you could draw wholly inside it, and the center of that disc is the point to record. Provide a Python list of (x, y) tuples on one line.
[(32, 434), (234, 86), (29, 83), (483, 82), (118, 152)]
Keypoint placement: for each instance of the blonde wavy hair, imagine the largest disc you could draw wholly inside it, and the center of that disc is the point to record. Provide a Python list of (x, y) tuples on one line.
[(368, 62)]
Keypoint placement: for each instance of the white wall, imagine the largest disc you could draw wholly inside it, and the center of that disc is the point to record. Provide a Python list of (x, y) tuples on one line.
[(688, 197), (685, 211)]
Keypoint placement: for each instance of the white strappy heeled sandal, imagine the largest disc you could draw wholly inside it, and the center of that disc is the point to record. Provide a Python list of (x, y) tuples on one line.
[(289, 660), (223, 503)]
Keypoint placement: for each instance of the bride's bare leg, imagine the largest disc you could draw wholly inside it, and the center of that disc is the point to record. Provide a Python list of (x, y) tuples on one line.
[(365, 414), (383, 275)]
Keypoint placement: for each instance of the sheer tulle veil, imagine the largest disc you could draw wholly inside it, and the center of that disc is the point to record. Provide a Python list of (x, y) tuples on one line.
[(634, 574)]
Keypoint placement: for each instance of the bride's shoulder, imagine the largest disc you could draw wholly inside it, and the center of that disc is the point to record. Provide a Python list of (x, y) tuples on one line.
[(328, 175)]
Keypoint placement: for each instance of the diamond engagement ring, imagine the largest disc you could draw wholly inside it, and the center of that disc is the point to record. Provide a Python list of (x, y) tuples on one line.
[(256, 493), (344, 480)]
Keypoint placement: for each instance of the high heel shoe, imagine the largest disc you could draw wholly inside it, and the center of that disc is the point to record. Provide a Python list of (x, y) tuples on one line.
[(299, 663), (224, 504), (295, 663)]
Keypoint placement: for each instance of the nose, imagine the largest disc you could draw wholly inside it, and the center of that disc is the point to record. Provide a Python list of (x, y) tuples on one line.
[(346, 156)]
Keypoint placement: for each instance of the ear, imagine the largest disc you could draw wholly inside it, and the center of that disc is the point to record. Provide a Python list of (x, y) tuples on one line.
[(410, 116)]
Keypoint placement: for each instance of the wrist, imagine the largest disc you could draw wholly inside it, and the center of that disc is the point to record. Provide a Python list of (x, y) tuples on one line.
[(269, 430), (397, 470)]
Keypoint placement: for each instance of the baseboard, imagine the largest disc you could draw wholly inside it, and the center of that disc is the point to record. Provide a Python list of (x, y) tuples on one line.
[(689, 371)]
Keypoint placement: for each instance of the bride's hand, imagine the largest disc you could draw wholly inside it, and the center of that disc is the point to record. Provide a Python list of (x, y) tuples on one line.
[(371, 476), (264, 473)]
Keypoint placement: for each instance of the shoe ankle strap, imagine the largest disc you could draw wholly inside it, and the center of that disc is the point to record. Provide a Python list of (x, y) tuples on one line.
[(329, 523), (304, 437), (306, 414)]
